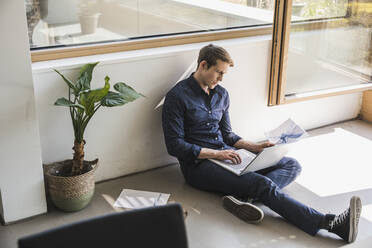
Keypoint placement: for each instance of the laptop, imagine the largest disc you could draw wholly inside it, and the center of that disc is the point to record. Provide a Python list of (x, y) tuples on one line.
[(270, 156)]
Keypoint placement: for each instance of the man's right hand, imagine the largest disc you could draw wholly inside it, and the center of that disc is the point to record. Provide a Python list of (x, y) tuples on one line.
[(231, 155)]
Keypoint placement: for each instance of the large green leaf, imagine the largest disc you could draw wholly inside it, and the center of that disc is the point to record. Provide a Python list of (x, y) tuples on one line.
[(65, 102), (89, 98), (113, 99), (127, 92), (83, 82), (68, 82)]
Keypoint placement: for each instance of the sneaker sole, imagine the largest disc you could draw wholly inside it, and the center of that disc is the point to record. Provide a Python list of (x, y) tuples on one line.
[(243, 210), (355, 211)]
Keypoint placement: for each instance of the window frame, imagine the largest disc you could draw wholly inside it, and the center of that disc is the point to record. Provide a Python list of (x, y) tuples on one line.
[(281, 30)]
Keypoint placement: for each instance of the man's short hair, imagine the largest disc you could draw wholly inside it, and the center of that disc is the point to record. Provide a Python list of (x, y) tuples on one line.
[(212, 53)]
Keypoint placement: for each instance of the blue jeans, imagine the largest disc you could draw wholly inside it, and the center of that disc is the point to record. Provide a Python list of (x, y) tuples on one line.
[(264, 185)]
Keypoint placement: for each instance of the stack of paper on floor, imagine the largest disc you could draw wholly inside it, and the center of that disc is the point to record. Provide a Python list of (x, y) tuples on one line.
[(130, 198)]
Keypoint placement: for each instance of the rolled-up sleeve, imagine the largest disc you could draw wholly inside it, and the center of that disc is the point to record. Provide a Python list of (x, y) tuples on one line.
[(229, 137), (173, 128)]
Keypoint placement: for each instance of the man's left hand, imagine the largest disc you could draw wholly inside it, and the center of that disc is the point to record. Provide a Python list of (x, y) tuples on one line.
[(252, 146), (261, 146)]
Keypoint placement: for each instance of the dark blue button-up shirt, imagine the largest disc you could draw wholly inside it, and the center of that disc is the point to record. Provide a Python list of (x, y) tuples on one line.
[(193, 120)]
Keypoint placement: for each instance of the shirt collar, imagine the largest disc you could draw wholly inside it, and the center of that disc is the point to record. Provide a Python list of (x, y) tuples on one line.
[(196, 87)]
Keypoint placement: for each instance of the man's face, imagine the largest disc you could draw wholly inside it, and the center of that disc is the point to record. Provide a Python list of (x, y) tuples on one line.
[(214, 74)]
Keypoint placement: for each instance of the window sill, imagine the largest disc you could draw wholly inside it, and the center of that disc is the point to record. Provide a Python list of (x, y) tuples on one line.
[(326, 93), (87, 50), (141, 54)]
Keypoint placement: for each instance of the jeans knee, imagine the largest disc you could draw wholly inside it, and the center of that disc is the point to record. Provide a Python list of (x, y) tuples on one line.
[(295, 166), (265, 184), (298, 167)]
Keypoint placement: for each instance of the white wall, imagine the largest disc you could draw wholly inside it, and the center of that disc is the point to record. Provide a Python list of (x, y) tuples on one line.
[(129, 139), (21, 178)]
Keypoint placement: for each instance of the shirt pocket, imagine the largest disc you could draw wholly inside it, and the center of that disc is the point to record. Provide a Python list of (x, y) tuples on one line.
[(197, 115), (217, 114)]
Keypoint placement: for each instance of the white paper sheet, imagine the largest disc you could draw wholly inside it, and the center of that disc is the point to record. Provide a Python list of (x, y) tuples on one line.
[(186, 74), (287, 132), (131, 199)]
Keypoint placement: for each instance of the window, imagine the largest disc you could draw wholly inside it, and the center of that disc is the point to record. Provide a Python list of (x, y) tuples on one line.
[(328, 50), (320, 47), (77, 23)]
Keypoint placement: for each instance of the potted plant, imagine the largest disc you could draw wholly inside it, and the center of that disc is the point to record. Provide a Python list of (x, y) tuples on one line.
[(71, 183)]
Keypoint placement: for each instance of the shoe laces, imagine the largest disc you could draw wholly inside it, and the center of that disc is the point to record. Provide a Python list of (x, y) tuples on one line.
[(339, 219)]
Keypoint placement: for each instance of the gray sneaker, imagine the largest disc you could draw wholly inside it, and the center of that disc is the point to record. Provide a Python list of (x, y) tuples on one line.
[(243, 210), (345, 225)]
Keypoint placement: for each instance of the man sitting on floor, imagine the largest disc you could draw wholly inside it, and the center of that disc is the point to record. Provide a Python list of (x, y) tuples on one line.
[(197, 127)]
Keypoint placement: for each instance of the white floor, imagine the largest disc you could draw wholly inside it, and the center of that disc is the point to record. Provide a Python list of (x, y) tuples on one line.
[(336, 165)]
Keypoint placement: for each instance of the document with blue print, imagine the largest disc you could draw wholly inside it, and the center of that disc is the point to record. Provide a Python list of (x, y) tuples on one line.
[(287, 132)]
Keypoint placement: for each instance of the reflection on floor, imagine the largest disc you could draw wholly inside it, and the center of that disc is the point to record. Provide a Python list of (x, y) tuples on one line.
[(335, 167)]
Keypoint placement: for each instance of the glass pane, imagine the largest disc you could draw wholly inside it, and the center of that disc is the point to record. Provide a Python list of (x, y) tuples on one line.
[(318, 9), (70, 22), (331, 52)]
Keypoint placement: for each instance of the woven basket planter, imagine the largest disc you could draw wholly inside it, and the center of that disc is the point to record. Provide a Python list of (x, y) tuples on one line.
[(69, 193)]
